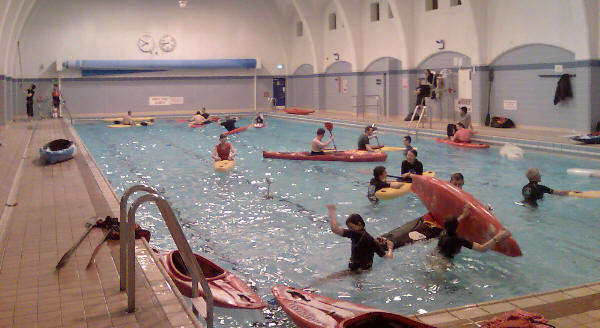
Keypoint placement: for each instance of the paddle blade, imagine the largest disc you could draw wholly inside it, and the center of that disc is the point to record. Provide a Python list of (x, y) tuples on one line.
[(328, 126)]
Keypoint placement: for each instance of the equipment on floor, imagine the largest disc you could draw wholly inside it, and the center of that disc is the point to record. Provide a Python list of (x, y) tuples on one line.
[(502, 122), (57, 151)]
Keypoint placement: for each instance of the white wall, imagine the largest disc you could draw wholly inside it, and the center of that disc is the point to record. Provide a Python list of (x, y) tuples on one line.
[(379, 39), (300, 47), (109, 29), (335, 41)]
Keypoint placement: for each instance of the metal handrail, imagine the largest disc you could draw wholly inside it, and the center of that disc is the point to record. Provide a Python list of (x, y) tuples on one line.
[(377, 106), (64, 106), (182, 245)]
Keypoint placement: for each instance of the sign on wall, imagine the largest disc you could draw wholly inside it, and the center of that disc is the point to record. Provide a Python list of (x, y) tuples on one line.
[(510, 104), (164, 101), (404, 83), (345, 85)]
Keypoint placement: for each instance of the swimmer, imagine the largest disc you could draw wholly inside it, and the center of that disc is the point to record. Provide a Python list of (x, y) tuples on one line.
[(364, 246), (224, 150), (450, 243), (411, 165), (533, 191), (462, 134), (318, 147), (406, 141), (458, 180), (229, 123), (380, 181), (363, 140)]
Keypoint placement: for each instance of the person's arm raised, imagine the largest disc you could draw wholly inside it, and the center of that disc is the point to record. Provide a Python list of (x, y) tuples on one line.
[(492, 242), (465, 213), (333, 222)]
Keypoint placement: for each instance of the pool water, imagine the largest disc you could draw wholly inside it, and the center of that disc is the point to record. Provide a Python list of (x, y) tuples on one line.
[(287, 239)]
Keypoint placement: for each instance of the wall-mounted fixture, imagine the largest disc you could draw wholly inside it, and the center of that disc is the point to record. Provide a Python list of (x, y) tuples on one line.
[(336, 56), (182, 3), (279, 66), (441, 44)]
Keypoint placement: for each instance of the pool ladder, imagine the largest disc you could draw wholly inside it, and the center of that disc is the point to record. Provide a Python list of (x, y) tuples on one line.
[(127, 251)]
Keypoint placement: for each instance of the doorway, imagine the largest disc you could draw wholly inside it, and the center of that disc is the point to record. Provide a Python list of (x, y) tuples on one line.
[(279, 91)]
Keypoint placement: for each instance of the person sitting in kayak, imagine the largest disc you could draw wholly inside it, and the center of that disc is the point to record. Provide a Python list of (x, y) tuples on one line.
[(411, 165), (204, 113), (229, 123), (450, 243), (318, 147), (259, 119), (533, 191), (380, 181), (363, 140), (127, 120), (364, 246), (462, 134), (224, 150), (198, 118), (407, 146)]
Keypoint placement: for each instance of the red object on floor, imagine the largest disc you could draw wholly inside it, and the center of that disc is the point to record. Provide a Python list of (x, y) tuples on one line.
[(517, 319), (298, 111)]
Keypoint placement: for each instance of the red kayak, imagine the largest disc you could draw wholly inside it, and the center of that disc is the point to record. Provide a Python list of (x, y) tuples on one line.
[(339, 156), (299, 111), (214, 119), (238, 130), (441, 198), (227, 289), (310, 310), (462, 144)]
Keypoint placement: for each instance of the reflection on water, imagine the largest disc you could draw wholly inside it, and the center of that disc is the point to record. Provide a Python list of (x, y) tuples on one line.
[(287, 239)]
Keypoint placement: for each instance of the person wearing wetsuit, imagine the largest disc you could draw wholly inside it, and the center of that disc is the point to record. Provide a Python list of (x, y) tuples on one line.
[(406, 141), (363, 140), (258, 119), (29, 101), (364, 246), (229, 123), (318, 147), (55, 101), (204, 113), (224, 151), (450, 243), (380, 181), (411, 165), (533, 191)]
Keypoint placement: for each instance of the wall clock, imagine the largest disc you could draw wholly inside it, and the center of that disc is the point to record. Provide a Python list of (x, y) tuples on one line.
[(146, 43), (167, 43)]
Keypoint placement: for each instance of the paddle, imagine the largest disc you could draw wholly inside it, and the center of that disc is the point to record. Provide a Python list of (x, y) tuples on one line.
[(491, 78), (369, 173), (97, 249), (329, 127), (65, 258)]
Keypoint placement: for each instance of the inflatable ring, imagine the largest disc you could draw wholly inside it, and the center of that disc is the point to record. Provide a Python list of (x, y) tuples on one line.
[(224, 166), (391, 193)]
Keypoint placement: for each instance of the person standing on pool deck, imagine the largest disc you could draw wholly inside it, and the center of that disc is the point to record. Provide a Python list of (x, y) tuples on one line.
[(29, 101), (55, 101), (533, 191), (318, 147), (363, 140), (229, 123), (224, 150), (406, 141), (411, 165), (364, 246), (450, 243)]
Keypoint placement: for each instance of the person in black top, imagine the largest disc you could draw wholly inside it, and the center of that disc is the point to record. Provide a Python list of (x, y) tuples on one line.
[(204, 113), (229, 123), (450, 243), (421, 91), (259, 119), (532, 192), (363, 140), (380, 181), (406, 141), (411, 165), (364, 246), (29, 101)]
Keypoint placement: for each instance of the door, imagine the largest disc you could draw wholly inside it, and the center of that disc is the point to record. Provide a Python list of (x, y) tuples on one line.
[(279, 91)]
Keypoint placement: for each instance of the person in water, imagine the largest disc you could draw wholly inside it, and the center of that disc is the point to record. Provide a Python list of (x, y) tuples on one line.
[(450, 243), (229, 123), (259, 119), (224, 150), (533, 191), (318, 146), (364, 246), (198, 118), (363, 140), (407, 146), (380, 181), (462, 134), (204, 113), (410, 166)]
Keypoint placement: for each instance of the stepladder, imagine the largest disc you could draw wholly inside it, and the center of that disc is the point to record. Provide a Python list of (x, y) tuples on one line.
[(423, 113)]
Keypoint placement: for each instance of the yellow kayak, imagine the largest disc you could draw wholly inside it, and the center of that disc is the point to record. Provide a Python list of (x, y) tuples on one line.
[(389, 148), (224, 166), (135, 119), (585, 194), (127, 125), (391, 193)]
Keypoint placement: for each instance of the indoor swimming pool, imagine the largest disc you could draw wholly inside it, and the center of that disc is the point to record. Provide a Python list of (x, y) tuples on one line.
[(287, 239)]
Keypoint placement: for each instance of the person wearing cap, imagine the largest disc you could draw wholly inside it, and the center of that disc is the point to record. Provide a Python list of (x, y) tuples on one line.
[(363, 140)]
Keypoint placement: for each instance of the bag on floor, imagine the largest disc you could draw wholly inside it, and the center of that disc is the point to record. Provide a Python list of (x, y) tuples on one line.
[(502, 122), (518, 319)]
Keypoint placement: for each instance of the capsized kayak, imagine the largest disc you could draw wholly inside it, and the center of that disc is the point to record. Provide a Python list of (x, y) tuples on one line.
[(227, 289), (135, 119), (339, 156), (129, 125), (57, 151), (238, 130), (224, 166), (441, 198), (299, 111), (585, 194), (311, 310), (391, 193), (462, 144)]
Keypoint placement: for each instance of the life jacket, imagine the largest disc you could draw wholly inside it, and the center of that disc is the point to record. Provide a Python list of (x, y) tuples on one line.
[(430, 221), (224, 152)]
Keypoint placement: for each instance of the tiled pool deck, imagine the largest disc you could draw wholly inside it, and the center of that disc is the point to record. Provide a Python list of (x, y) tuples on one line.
[(46, 208)]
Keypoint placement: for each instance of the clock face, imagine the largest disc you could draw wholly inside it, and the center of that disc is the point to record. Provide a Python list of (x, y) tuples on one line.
[(167, 43), (146, 43)]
